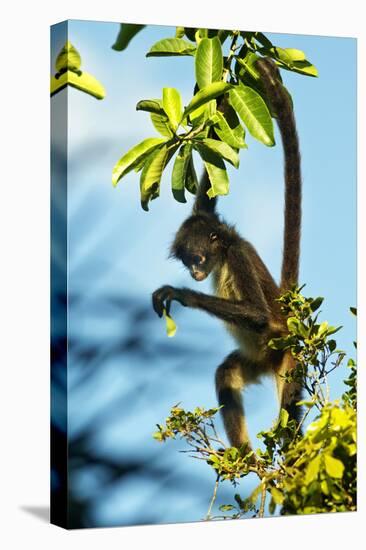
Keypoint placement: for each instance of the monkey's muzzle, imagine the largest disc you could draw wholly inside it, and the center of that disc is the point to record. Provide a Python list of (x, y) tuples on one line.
[(198, 274)]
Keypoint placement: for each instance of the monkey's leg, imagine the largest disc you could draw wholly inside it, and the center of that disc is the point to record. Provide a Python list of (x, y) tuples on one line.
[(289, 393), (231, 377)]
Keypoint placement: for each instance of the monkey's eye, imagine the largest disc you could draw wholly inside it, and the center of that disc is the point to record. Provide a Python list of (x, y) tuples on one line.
[(213, 237)]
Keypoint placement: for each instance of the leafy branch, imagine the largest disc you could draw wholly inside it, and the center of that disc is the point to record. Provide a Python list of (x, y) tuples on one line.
[(228, 99), (312, 473)]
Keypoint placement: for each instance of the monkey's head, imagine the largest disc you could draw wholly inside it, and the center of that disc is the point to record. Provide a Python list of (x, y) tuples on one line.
[(200, 244)]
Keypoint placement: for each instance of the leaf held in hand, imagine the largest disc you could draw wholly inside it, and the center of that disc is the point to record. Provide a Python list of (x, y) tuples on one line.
[(171, 327)]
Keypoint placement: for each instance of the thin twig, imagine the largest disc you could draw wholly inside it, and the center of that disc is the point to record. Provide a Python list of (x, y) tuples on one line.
[(302, 421), (208, 515), (263, 498)]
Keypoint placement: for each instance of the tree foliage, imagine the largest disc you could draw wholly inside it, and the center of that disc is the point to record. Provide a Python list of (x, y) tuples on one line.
[(299, 474), (228, 101)]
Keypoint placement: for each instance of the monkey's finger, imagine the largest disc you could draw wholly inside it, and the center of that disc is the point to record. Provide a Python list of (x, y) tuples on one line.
[(157, 304), (168, 303)]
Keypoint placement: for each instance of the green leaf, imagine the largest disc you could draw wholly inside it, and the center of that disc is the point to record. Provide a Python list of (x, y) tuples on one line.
[(191, 178), (284, 416), (68, 57), (312, 470), (248, 64), (229, 129), (171, 327), (216, 171), (171, 46), (179, 32), (324, 487), (333, 466), (203, 112), (254, 113), (315, 304), (272, 506), (134, 156), (332, 344), (161, 124), (209, 62), (151, 106), (278, 343), (84, 82), (206, 94), (295, 55), (306, 403), (333, 330), (277, 495), (172, 105), (280, 54), (158, 436), (200, 34), (158, 116), (190, 33), (301, 67), (125, 35), (179, 172), (262, 39), (293, 325), (151, 176), (222, 149), (226, 507)]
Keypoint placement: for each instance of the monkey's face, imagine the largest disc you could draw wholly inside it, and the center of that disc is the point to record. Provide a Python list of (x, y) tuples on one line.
[(198, 244)]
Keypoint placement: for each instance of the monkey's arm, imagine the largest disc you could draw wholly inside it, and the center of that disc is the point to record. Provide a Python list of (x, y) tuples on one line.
[(250, 311), (231, 311)]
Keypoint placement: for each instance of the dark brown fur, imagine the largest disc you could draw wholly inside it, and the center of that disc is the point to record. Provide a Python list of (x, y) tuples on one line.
[(245, 292)]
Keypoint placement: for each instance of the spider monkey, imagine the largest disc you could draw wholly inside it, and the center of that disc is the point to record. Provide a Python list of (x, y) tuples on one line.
[(245, 292)]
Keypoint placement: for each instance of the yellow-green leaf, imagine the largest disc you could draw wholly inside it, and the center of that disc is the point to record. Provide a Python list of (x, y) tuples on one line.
[(203, 112), (179, 172), (333, 466), (68, 57), (208, 62), (171, 327), (191, 182), (171, 46), (151, 106), (125, 35), (179, 32), (284, 416), (277, 495), (254, 113), (222, 149), (295, 55), (248, 64), (216, 171), (161, 124), (134, 156), (301, 67), (84, 82), (229, 129), (312, 470), (151, 176), (206, 94), (172, 105)]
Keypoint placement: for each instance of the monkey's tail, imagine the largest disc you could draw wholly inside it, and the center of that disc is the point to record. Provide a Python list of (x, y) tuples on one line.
[(281, 104), (202, 202)]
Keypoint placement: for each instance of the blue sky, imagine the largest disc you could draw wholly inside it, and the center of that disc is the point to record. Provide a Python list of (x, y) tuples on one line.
[(116, 247)]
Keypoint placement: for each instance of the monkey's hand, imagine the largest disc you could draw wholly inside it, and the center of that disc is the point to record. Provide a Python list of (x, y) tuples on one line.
[(162, 298)]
